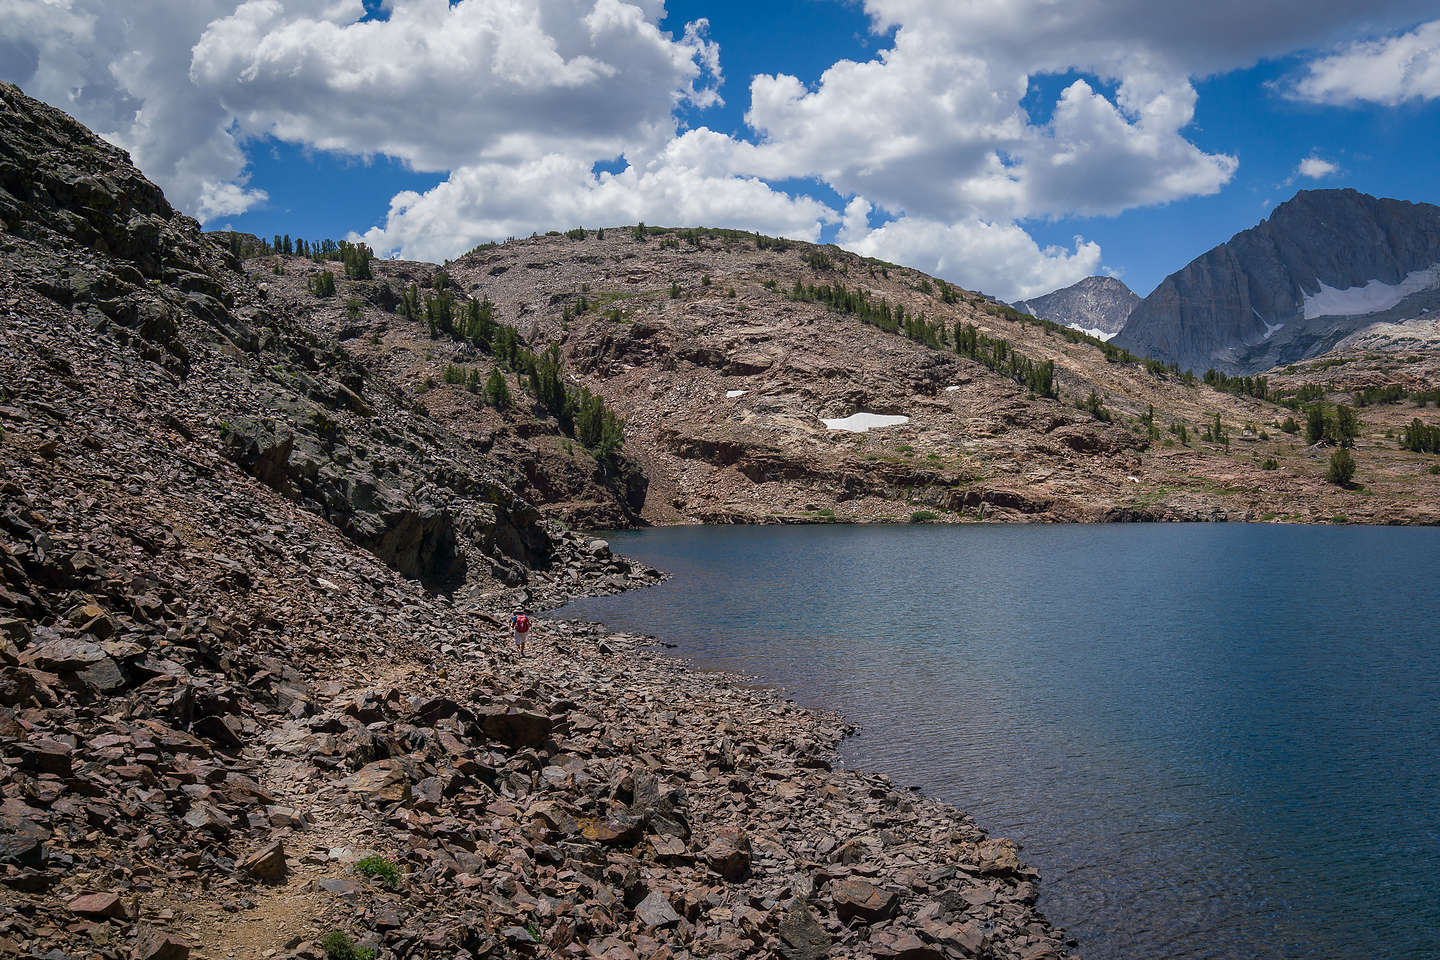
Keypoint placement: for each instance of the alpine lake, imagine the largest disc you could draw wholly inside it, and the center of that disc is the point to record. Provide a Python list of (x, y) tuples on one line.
[(1212, 741)]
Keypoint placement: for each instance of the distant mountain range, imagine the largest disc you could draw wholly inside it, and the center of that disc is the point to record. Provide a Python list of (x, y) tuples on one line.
[(1098, 306), (1325, 265)]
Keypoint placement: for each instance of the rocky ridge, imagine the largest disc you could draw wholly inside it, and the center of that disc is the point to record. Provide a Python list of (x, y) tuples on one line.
[(1324, 265), (256, 694), (1098, 306), (724, 376)]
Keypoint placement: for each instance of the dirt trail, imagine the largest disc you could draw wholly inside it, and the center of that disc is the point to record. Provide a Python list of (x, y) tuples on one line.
[(285, 914)]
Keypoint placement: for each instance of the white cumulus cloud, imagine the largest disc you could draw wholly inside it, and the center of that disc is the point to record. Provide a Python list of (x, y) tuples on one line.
[(941, 136), (1000, 259), (121, 70), (1316, 168), (182, 85), (1390, 71), (498, 200), (441, 86)]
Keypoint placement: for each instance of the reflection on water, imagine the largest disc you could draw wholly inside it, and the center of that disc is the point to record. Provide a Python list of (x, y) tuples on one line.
[(1213, 741)]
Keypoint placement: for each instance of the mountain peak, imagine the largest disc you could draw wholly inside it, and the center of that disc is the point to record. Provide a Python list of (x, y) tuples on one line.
[(1324, 264), (1095, 305)]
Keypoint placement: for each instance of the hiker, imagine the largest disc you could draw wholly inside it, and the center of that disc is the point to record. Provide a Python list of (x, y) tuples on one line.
[(521, 623)]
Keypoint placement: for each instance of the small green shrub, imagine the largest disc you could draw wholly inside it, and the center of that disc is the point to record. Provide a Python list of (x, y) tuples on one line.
[(924, 516), (338, 946), (1342, 468), (376, 866), (674, 291), (1270, 464), (321, 284)]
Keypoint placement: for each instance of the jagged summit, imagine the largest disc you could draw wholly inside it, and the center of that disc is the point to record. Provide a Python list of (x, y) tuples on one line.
[(1098, 306), (1324, 265)]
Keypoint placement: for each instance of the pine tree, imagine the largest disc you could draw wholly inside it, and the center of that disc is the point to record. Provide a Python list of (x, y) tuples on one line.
[(1342, 467), (1347, 426), (1314, 423), (321, 283), (497, 392)]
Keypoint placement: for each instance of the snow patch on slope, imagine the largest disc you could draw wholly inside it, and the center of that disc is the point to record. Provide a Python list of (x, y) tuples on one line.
[(863, 422), (1270, 328), (1373, 297)]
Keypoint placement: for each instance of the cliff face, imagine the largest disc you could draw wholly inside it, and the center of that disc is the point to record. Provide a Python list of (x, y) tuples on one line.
[(1325, 264), (1098, 306)]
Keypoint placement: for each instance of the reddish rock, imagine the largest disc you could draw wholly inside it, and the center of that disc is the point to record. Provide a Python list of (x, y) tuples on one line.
[(100, 906), (904, 945), (47, 756), (267, 863), (517, 728), (729, 853), (618, 831), (154, 944), (859, 900), (383, 781)]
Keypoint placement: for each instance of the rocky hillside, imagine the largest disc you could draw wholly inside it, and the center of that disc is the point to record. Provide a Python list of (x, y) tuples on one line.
[(256, 693), (1098, 306), (1324, 265), (727, 373)]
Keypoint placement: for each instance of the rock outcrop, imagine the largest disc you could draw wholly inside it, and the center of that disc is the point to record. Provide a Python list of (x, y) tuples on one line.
[(1098, 306), (1324, 265)]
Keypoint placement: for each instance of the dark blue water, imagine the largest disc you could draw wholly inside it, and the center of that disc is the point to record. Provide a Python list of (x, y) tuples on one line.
[(1213, 741)]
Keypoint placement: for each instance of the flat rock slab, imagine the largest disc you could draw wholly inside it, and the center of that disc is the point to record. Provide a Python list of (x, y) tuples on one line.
[(655, 911), (267, 863), (65, 654), (155, 944), (384, 781), (858, 900), (47, 756), (517, 728), (621, 831), (99, 906), (905, 946)]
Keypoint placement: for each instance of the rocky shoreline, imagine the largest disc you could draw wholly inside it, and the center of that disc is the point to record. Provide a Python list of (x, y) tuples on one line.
[(596, 799), (257, 693)]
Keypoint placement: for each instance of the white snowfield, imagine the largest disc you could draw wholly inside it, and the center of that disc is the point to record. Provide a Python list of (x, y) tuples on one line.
[(1095, 332), (1373, 297), (952, 387), (732, 394), (863, 422)]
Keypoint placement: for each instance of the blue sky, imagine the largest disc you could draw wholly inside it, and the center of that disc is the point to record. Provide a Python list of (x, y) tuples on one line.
[(1009, 145)]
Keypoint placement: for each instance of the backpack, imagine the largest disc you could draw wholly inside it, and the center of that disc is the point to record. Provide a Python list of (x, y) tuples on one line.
[(522, 623)]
